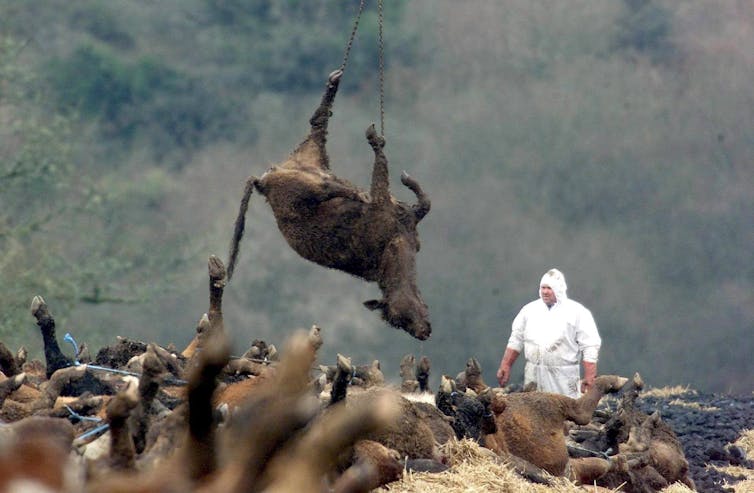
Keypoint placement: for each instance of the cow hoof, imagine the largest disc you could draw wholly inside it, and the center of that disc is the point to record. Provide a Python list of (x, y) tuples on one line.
[(216, 271), (38, 307), (406, 179), (335, 76), (376, 141), (609, 384)]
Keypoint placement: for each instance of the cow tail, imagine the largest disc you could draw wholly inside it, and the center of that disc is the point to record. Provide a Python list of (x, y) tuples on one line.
[(239, 227)]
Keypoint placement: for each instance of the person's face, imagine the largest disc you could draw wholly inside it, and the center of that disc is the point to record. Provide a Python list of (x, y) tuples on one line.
[(547, 294)]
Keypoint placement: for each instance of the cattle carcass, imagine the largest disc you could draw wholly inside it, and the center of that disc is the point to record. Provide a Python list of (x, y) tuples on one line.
[(333, 223), (530, 425)]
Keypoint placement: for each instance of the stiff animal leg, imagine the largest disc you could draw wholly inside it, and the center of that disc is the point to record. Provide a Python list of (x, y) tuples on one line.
[(380, 190), (314, 150), (423, 205), (586, 404)]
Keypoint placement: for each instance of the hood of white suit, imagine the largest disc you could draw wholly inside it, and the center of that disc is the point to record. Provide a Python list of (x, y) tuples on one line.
[(556, 280)]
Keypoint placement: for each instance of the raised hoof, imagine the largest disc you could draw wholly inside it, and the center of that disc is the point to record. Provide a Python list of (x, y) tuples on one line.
[(335, 76), (609, 384), (38, 307), (216, 271), (14, 383), (376, 141), (344, 364)]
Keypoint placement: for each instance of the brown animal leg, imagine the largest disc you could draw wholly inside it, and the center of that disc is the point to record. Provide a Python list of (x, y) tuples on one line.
[(217, 283), (342, 378), (122, 450), (202, 383), (149, 385), (54, 386), (422, 374), (423, 205), (318, 121), (54, 357), (8, 364), (586, 470), (581, 413), (10, 385), (380, 190), (330, 437), (409, 383)]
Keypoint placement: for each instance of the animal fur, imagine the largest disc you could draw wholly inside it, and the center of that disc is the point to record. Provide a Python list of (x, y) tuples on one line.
[(331, 222)]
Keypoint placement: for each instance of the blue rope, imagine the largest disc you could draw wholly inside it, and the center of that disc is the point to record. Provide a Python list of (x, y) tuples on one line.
[(80, 417), (93, 431), (169, 381), (69, 338), (112, 370)]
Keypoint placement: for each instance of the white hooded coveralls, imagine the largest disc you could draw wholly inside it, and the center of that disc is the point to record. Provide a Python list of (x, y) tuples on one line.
[(552, 339)]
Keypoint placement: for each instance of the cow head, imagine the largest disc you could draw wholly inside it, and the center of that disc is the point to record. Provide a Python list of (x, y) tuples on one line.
[(402, 305), (411, 315)]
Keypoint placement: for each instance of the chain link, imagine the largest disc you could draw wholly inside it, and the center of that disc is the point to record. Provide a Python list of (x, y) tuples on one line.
[(382, 69), (381, 55), (351, 38)]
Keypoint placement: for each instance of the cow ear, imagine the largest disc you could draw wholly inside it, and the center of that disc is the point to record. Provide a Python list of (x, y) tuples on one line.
[(375, 304)]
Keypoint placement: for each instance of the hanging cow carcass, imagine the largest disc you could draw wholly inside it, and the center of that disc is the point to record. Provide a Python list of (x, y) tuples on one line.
[(333, 223)]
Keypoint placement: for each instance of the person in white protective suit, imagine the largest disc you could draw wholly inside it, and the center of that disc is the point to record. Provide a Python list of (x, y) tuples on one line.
[(554, 333)]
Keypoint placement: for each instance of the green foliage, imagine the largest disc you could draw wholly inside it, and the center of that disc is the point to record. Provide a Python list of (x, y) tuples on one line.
[(102, 23), (34, 166), (60, 228), (295, 43), (144, 97)]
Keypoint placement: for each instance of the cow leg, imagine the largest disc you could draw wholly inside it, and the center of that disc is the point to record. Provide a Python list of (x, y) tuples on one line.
[(52, 388), (586, 470), (149, 385), (583, 409), (422, 206), (8, 364), (313, 150), (342, 378), (202, 382), (122, 450), (380, 190), (10, 385), (217, 282), (54, 357)]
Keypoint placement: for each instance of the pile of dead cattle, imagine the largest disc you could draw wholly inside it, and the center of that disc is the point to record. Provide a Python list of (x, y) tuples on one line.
[(140, 417)]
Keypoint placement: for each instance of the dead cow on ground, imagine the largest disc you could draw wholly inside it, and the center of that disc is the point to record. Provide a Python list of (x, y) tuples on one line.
[(331, 222), (530, 425)]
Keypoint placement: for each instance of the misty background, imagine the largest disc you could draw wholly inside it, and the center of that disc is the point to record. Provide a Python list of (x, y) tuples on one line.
[(612, 140)]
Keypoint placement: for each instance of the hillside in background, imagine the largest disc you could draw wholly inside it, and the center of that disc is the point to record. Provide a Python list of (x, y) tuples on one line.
[(613, 140)]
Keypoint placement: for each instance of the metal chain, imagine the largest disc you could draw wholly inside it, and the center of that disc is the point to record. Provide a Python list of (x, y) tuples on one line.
[(351, 38), (382, 69), (381, 55)]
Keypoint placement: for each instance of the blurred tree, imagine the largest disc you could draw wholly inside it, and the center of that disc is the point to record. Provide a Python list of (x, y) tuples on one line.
[(145, 98), (645, 28), (35, 168), (66, 235)]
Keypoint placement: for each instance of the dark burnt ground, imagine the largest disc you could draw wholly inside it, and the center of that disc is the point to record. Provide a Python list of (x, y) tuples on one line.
[(706, 425)]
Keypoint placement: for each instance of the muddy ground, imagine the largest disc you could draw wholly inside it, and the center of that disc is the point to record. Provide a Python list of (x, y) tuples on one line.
[(707, 425)]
